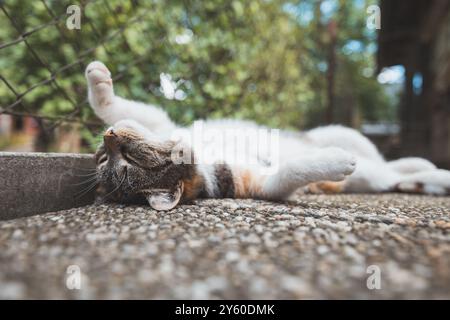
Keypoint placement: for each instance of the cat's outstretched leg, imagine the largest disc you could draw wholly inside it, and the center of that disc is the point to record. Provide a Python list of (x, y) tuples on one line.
[(434, 182), (373, 177), (328, 164), (111, 108), (420, 176)]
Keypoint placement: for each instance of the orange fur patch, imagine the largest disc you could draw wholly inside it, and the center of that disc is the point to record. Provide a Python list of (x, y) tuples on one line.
[(246, 184), (327, 187), (192, 187)]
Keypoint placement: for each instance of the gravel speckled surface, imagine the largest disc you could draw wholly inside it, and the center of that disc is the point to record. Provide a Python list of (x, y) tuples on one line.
[(318, 246)]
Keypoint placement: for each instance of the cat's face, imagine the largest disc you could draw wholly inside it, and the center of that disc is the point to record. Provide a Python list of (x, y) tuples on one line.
[(133, 169)]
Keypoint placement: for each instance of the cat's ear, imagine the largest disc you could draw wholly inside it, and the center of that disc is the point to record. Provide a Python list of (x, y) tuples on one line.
[(162, 200)]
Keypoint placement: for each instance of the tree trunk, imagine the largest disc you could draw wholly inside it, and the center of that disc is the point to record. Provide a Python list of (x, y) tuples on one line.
[(332, 31)]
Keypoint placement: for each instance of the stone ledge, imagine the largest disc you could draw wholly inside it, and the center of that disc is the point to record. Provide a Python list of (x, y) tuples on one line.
[(33, 183)]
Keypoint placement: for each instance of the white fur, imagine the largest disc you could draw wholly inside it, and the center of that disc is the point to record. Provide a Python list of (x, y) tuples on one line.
[(411, 165), (323, 154), (111, 108), (207, 171), (327, 164)]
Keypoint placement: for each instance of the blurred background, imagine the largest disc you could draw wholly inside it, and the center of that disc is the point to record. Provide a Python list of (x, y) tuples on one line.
[(382, 67)]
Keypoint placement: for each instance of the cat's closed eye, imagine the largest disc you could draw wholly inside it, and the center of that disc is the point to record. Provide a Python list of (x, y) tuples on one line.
[(129, 158), (102, 159)]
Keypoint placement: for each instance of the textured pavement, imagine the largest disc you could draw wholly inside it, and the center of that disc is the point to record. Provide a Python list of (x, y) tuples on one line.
[(318, 246)]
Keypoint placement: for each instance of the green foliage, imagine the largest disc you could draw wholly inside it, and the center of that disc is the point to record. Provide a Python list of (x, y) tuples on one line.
[(248, 59)]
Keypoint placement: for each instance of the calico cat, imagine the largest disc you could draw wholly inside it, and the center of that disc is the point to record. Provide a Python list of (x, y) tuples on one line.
[(143, 160)]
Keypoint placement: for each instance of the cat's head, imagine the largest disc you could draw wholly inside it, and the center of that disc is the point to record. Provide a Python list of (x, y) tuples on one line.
[(131, 168)]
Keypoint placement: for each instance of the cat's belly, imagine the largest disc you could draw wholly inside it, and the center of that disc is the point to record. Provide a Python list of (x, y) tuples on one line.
[(242, 144), (230, 142)]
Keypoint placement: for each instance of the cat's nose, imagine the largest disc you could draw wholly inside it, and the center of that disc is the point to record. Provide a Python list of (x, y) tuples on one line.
[(110, 132), (111, 141)]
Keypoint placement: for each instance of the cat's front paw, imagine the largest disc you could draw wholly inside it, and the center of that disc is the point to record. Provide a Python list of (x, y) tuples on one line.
[(101, 93), (97, 73), (340, 164)]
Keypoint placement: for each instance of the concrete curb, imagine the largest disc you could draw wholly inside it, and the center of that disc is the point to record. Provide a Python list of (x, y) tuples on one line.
[(32, 183)]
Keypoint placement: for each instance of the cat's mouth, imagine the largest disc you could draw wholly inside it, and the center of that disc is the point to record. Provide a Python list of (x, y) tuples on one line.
[(121, 174)]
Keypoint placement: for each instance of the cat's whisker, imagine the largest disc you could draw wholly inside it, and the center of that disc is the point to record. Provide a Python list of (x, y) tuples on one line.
[(84, 169), (85, 191), (85, 175), (117, 188), (94, 178), (128, 180)]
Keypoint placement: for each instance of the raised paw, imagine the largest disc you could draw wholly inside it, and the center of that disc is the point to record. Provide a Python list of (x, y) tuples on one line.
[(99, 84), (338, 164), (97, 72)]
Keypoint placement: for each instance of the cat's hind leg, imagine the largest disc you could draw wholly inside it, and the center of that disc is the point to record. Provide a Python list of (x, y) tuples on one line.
[(327, 164), (411, 165), (345, 138), (374, 177), (433, 182)]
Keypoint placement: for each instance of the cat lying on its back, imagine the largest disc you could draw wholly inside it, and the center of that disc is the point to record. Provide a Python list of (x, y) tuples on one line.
[(136, 162)]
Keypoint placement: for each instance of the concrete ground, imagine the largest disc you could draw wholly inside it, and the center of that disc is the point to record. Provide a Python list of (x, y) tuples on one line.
[(318, 246)]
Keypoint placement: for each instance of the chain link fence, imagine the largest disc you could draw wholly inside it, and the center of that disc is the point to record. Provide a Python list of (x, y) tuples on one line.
[(43, 56)]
